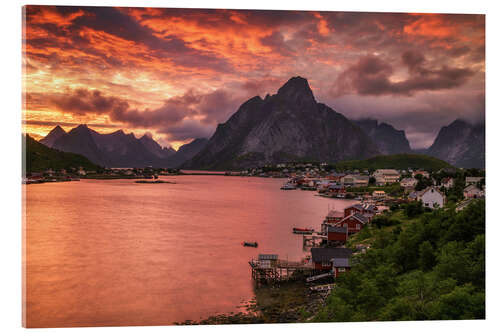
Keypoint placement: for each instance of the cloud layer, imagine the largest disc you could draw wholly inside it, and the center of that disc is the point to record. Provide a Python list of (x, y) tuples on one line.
[(177, 73)]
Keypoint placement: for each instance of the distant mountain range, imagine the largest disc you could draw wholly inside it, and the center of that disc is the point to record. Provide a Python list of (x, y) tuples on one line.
[(118, 149), (287, 126)]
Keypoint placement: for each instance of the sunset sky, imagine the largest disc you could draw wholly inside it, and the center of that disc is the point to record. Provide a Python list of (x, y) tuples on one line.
[(177, 73)]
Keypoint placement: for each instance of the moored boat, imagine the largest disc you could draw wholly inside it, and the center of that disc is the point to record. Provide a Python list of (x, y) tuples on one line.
[(303, 231), (250, 244)]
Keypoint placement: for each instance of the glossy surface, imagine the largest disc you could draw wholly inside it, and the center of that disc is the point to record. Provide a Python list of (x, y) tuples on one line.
[(114, 252)]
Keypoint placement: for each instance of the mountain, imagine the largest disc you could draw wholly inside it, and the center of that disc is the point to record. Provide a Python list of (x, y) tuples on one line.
[(39, 157), (115, 149), (55, 134), (80, 141), (153, 147), (187, 151), (388, 139), (461, 144), (287, 126), (397, 161)]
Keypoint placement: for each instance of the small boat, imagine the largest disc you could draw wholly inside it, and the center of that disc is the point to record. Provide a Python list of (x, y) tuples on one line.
[(250, 244), (302, 231), (288, 186)]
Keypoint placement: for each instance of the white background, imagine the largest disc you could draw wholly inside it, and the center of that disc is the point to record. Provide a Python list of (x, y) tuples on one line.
[(10, 160)]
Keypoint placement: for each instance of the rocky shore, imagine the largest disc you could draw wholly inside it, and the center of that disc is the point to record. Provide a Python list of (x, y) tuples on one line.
[(290, 302)]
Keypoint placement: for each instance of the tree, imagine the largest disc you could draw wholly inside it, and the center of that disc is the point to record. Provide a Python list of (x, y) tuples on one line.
[(427, 259)]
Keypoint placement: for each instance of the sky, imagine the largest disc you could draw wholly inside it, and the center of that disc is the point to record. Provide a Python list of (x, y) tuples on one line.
[(177, 73)]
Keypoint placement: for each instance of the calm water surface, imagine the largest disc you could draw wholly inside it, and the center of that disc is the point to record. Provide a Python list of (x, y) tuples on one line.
[(114, 252)]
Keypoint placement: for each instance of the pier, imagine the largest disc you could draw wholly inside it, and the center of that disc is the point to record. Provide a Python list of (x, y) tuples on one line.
[(269, 269), (313, 239)]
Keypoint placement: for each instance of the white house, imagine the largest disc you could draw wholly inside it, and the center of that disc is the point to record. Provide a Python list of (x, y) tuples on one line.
[(472, 191), (408, 183), (424, 174), (431, 197), (472, 180), (447, 182), (386, 176)]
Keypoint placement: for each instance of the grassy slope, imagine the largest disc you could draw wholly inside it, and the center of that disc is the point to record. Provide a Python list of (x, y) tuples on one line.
[(398, 161)]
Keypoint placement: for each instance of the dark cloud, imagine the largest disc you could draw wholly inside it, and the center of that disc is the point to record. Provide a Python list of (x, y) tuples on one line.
[(83, 101), (277, 43), (188, 113), (188, 129), (371, 76), (64, 123)]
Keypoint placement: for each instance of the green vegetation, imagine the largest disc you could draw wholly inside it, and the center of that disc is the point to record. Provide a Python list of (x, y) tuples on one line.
[(398, 161), (421, 266), (40, 158), (392, 189)]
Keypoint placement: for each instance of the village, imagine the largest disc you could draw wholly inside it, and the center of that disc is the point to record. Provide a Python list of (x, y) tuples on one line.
[(376, 193), (75, 174)]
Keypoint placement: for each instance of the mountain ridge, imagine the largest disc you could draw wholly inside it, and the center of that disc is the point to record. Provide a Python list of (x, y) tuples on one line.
[(289, 125)]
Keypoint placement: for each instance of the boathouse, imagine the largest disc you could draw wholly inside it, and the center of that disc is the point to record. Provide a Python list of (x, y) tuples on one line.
[(323, 257), (337, 234)]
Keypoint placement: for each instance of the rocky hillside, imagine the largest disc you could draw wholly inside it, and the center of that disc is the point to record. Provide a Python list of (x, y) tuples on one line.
[(289, 125), (461, 144), (388, 139)]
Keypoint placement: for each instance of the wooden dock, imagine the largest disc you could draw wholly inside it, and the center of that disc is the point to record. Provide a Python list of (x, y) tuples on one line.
[(275, 271), (313, 239)]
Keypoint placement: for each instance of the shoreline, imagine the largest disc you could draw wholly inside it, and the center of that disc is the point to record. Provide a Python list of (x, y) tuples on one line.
[(289, 302)]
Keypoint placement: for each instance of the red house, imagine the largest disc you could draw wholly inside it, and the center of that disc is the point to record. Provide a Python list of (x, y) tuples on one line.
[(365, 209), (337, 234), (353, 222), (324, 257), (340, 266)]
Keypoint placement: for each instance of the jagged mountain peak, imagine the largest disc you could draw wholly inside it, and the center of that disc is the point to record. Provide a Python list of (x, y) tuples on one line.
[(289, 125), (53, 135), (296, 90)]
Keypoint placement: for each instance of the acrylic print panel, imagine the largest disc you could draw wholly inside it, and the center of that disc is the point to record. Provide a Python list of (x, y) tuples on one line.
[(249, 166)]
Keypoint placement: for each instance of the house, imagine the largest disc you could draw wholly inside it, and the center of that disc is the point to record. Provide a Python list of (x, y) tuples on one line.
[(337, 234), (322, 257), (336, 176), (447, 182), (267, 260), (472, 180), (423, 173), (378, 194), (331, 218), (431, 197), (472, 192), (355, 180), (340, 266), (408, 183), (334, 216), (354, 222), (386, 176), (365, 209), (336, 190)]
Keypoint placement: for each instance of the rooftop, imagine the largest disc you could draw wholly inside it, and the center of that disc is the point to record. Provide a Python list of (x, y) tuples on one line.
[(325, 254)]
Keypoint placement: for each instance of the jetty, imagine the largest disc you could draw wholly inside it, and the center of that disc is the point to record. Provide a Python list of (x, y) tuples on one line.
[(313, 239), (269, 269)]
